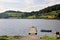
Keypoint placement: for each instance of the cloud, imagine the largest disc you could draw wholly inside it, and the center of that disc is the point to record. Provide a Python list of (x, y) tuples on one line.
[(2, 8), (26, 5), (29, 1), (8, 1), (37, 7)]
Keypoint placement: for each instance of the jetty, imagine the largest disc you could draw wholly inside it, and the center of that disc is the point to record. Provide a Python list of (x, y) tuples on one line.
[(32, 34)]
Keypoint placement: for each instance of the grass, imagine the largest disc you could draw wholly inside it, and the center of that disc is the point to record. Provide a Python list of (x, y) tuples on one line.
[(19, 37), (10, 37), (49, 38)]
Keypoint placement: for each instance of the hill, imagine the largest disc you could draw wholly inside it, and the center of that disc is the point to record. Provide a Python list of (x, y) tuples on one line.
[(51, 12)]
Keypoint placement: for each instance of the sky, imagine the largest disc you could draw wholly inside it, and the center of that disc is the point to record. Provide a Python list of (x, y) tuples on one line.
[(26, 5)]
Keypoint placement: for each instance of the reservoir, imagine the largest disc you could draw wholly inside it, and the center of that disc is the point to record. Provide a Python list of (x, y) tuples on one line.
[(21, 26)]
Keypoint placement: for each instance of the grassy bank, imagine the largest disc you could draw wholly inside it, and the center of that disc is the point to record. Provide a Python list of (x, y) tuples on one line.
[(19, 37), (10, 37), (49, 38)]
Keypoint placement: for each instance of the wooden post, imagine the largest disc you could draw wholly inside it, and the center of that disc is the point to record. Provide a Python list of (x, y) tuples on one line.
[(57, 35)]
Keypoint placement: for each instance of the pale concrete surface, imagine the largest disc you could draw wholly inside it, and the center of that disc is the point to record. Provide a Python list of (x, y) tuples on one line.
[(31, 37)]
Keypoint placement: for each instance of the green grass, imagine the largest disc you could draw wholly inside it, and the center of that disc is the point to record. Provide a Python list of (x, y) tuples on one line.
[(19, 37), (49, 38), (10, 37)]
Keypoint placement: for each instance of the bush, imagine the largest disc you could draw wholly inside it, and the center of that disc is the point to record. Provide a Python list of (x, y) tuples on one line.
[(3, 39)]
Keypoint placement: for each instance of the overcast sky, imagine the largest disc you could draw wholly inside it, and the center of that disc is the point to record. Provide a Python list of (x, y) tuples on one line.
[(26, 5)]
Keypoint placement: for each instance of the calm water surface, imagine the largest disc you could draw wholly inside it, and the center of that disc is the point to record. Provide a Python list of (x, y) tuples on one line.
[(21, 26)]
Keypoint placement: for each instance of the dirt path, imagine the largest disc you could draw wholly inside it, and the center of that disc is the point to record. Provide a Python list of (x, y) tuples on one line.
[(31, 37)]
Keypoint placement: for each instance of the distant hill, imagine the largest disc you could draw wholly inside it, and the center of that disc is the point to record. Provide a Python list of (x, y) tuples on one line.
[(51, 12)]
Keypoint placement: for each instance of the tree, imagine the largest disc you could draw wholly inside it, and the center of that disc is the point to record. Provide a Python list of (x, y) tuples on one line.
[(59, 16)]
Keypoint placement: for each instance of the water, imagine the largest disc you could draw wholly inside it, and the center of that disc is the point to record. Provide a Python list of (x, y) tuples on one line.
[(21, 26)]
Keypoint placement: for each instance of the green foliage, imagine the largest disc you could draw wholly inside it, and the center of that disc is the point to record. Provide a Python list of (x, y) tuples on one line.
[(49, 38), (4, 37), (31, 17), (10, 37)]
